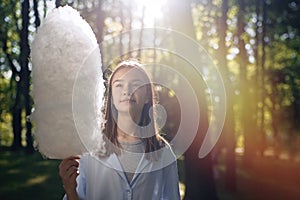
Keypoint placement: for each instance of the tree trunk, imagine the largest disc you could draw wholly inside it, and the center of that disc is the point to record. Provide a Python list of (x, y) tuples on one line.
[(141, 33), (16, 109), (199, 180), (228, 130), (248, 108), (199, 177), (37, 20), (25, 79), (262, 73), (258, 76), (16, 121), (100, 21), (57, 3)]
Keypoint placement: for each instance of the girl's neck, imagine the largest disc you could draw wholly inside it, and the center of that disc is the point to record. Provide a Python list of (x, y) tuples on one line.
[(126, 129)]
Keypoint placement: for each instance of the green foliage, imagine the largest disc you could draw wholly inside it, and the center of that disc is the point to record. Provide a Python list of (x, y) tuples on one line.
[(284, 63), (270, 27), (9, 65), (29, 177), (281, 25), (5, 117), (9, 37)]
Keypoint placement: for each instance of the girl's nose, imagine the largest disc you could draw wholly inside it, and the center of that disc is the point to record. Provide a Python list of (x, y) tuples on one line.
[(127, 90)]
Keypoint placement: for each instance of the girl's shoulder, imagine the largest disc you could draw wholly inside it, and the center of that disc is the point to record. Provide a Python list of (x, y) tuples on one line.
[(92, 157), (168, 150), (167, 155)]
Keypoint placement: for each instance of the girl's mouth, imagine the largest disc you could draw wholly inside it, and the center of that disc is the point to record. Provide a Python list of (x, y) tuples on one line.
[(128, 100)]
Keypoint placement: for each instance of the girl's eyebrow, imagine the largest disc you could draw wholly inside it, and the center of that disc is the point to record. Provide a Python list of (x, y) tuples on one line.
[(118, 80), (121, 80), (137, 80)]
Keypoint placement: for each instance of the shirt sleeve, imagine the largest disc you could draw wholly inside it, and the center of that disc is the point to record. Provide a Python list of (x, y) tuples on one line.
[(171, 183)]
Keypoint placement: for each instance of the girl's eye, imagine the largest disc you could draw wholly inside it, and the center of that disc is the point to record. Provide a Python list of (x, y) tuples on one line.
[(118, 85), (136, 85)]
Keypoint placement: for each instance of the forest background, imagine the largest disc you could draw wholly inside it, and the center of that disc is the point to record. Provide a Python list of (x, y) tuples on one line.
[(255, 45)]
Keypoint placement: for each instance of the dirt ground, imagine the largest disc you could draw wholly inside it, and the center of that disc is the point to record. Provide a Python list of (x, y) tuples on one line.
[(267, 179)]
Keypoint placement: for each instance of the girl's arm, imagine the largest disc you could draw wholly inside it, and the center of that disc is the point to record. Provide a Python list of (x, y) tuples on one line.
[(171, 183), (68, 171)]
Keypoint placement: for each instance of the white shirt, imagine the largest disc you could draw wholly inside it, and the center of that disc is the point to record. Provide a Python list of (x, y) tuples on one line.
[(104, 179)]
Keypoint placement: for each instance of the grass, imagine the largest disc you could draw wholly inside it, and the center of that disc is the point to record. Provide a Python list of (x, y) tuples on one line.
[(32, 177), (26, 176)]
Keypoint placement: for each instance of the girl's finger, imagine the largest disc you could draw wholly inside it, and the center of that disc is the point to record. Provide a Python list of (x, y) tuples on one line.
[(67, 163)]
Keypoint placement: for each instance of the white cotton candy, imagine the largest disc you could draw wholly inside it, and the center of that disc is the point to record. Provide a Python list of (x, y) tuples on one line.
[(68, 86)]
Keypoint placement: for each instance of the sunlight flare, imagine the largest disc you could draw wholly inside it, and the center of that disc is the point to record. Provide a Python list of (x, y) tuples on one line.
[(153, 9)]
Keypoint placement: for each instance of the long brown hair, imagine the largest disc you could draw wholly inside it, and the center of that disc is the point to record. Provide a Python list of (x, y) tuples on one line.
[(152, 143)]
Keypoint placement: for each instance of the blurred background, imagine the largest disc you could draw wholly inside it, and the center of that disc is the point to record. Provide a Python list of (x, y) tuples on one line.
[(255, 45)]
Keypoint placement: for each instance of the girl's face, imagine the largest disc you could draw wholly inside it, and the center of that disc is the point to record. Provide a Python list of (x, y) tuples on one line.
[(129, 91)]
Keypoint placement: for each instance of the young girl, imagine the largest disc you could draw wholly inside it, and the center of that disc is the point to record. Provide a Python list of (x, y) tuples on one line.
[(139, 163)]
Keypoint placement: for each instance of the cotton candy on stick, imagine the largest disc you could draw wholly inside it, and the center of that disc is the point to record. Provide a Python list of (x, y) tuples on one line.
[(67, 86)]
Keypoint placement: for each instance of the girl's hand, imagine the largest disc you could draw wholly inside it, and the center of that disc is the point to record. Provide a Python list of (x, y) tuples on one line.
[(68, 171)]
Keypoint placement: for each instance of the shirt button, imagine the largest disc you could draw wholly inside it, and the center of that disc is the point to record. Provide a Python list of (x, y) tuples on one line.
[(128, 194)]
